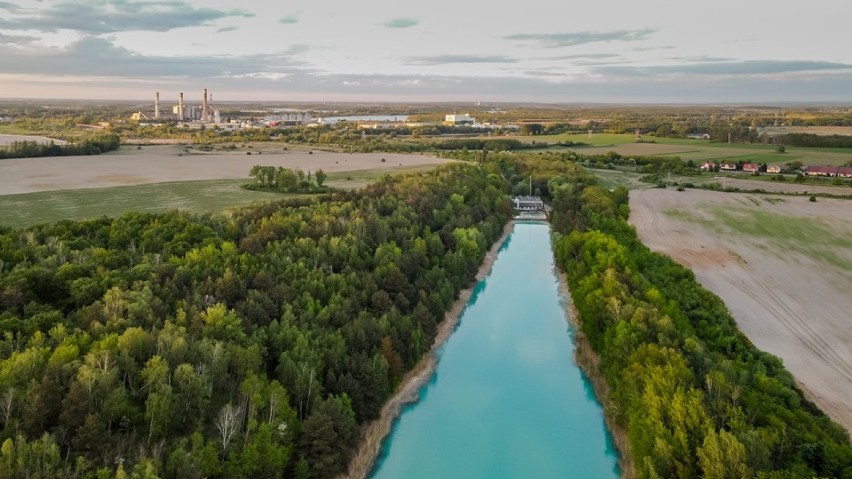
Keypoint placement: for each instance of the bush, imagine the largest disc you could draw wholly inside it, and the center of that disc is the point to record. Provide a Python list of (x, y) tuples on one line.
[(812, 199)]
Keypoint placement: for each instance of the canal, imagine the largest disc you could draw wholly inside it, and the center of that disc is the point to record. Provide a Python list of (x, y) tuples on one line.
[(506, 400)]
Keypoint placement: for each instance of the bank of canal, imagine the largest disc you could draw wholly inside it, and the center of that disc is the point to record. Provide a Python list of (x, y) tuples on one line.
[(507, 399)]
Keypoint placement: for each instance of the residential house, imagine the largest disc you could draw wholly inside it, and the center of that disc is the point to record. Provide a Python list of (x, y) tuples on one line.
[(773, 169), (830, 171), (728, 167), (707, 166), (750, 167)]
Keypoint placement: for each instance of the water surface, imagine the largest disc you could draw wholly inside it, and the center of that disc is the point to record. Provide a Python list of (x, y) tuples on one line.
[(507, 400)]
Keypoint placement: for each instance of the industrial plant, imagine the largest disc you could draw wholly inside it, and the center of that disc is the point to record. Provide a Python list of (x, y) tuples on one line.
[(182, 112)]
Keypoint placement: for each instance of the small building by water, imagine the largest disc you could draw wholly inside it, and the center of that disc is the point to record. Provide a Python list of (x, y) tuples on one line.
[(528, 203)]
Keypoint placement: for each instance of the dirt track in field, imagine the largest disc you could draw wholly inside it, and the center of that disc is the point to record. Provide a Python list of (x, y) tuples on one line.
[(791, 299), (158, 164)]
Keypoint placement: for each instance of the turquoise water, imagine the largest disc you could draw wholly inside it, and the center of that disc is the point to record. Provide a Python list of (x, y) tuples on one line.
[(507, 400)]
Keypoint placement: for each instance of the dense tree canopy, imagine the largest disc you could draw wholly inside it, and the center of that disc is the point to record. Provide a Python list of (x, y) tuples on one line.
[(176, 346)]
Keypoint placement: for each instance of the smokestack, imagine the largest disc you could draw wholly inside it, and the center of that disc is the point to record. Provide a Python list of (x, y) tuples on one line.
[(180, 107), (157, 105), (204, 107)]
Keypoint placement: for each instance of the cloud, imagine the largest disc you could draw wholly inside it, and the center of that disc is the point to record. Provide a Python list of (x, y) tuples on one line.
[(447, 59), (289, 19), (16, 39), (716, 68), (556, 40), (401, 22), (585, 56), (109, 16), (227, 29), (10, 7), (99, 57)]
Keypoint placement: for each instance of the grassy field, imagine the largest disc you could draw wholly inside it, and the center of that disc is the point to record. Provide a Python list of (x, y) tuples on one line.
[(22, 210), (695, 150), (813, 236), (197, 196)]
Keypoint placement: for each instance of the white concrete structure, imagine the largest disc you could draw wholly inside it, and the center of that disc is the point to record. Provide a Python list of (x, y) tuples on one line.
[(461, 119), (528, 203)]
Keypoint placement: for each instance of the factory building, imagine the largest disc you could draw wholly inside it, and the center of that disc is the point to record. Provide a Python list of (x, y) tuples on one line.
[(462, 119)]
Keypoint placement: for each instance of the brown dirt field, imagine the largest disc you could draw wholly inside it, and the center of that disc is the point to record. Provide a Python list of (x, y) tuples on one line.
[(9, 139), (789, 301), (157, 164), (742, 182), (813, 130)]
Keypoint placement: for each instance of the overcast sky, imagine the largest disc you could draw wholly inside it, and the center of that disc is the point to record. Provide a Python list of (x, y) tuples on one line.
[(438, 50)]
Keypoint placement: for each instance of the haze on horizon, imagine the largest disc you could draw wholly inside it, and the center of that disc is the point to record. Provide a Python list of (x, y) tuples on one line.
[(536, 51)]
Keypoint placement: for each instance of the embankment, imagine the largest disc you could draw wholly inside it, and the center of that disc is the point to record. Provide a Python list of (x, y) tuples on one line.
[(589, 362)]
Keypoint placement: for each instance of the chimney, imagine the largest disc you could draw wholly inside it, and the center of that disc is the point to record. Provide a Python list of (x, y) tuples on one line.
[(180, 107), (157, 105), (204, 107)]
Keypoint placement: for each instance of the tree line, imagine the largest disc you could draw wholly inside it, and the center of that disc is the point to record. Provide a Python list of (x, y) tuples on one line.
[(33, 149), (250, 345), (287, 180)]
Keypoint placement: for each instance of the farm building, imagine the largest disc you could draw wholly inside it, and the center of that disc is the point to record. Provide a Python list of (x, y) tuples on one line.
[(528, 203)]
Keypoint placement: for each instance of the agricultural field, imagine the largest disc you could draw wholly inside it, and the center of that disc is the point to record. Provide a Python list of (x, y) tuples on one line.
[(782, 264), (811, 130), (158, 164), (161, 178), (696, 150)]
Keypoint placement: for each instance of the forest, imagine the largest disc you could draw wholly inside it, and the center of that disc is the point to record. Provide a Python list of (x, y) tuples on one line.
[(249, 345), (258, 343), (90, 146)]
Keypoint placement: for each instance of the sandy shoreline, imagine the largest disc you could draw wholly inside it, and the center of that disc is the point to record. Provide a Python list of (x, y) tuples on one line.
[(408, 390), (589, 362)]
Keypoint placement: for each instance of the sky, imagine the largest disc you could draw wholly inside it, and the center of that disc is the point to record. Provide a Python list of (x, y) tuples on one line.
[(556, 51)]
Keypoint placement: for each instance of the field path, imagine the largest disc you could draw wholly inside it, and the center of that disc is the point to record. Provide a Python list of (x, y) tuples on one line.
[(787, 303)]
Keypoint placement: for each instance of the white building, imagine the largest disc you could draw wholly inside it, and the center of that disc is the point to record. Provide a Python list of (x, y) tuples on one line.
[(528, 203), (462, 119)]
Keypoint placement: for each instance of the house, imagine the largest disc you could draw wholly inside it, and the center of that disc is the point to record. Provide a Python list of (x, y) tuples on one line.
[(844, 171), (528, 203), (750, 167), (728, 167), (707, 166), (830, 171), (773, 169)]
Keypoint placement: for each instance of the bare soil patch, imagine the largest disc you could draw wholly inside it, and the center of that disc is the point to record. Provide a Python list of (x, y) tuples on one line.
[(158, 164), (9, 139), (782, 266)]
